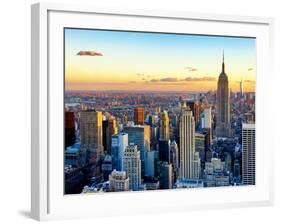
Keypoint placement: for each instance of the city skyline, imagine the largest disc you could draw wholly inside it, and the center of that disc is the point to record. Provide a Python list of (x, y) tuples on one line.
[(120, 60), (129, 130)]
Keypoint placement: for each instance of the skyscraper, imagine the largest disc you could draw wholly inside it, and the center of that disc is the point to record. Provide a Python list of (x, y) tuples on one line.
[(248, 153), (187, 143), (164, 126), (132, 166), (119, 142), (223, 105), (140, 136), (139, 115), (91, 133)]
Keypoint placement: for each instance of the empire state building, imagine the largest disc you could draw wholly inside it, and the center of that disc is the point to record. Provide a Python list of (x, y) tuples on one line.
[(223, 105)]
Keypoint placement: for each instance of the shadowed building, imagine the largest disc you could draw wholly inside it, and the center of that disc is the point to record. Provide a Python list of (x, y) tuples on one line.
[(69, 128)]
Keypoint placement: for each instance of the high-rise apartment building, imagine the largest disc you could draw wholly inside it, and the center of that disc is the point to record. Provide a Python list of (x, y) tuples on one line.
[(132, 166), (248, 153)]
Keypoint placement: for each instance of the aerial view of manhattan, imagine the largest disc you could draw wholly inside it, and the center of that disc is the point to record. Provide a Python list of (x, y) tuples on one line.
[(154, 111)]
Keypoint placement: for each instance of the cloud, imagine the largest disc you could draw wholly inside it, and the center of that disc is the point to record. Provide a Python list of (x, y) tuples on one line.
[(89, 53), (132, 82), (187, 79), (154, 80), (139, 74), (169, 80), (191, 69), (248, 81), (250, 69), (195, 79)]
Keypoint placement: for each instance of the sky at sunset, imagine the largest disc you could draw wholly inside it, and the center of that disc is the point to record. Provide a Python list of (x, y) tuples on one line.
[(117, 60)]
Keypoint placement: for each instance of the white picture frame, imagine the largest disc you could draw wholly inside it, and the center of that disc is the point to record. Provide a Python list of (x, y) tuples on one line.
[(47, 200)]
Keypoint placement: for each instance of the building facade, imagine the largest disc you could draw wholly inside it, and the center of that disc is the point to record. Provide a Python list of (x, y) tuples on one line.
[(119, 142), (91, 133), (187, 143), (248, 153), (132, 166), (139, 115), (118, 181)]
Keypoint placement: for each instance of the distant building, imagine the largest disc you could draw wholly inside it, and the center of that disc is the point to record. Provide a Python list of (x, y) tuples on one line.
[(119, 142), (166, 175), (241, 88), (215, 174), (74, 156), (164, 150), (187, 143), (132, 166), (151, 120), (237, 169), (111, 130), (174, 159), (73, 179), (151, 183), (248, 154), (201, 146), (69, 126), (139, 115), (118, 181), (164, 126), (106, 166), (189, 183), (206, 119), (150, 159)]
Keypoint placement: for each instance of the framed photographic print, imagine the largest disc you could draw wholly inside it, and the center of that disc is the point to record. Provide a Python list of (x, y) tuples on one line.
[(131, 106)]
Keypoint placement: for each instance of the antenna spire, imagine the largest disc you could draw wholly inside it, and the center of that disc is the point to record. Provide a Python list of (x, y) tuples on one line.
[(223, 61)]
